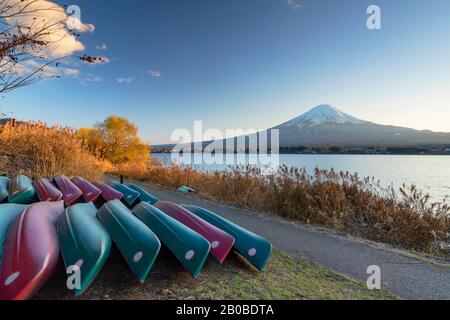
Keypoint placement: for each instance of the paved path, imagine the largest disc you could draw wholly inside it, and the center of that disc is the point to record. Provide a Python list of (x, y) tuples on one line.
[(407, 277)]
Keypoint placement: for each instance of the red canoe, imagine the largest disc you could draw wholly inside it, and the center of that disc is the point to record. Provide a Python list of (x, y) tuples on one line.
[(90, 192), (46, 190), (108, 192), (31, 252), (221, 242), (71, 193)]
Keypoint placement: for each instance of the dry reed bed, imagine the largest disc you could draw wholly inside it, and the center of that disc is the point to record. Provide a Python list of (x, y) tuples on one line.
[(341, 201), (40, 151)]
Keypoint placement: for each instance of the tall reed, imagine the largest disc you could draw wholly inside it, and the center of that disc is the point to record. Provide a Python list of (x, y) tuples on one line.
[(337, 200), (39, 151)]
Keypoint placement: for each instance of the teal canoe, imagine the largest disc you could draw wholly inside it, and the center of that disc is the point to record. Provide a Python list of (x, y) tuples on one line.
[(190, 248), (143, 195), (21, 190), (4, 188), (8, 212), (130, 196), (137, 243), (254, 248), (84, 243)]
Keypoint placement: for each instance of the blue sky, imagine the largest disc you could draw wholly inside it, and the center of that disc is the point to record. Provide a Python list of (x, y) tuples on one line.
[(251, 64)]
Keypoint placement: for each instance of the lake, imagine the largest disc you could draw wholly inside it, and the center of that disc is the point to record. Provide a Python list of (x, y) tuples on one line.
[(430, 173)]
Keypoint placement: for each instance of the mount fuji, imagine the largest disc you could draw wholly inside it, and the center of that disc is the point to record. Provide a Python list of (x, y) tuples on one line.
[(326, 125)]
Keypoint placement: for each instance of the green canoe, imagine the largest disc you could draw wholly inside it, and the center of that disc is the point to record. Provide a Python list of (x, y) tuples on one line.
[(4, 188), (143, 195), (190, 248), (255, 249), (137, 243), (8, 212), (84, 242), (130, 197), (21, 190)]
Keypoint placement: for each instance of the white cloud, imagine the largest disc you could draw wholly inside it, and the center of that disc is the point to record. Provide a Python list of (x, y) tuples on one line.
[(94, 78), (102, 46), (38, 14), (155, 73), (294, 4), (127, 80), (43, 71), (71, 72)]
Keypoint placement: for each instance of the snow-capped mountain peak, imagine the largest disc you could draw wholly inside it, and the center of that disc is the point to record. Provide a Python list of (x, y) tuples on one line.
[(320, 115)]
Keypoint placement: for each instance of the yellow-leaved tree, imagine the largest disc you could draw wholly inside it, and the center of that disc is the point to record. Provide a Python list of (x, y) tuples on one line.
[(116, 140)]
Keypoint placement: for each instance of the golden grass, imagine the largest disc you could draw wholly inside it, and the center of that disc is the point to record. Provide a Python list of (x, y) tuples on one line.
[(341, 201), (36, 150)]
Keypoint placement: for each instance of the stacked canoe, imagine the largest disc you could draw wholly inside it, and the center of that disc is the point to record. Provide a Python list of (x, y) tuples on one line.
[(83, 219)]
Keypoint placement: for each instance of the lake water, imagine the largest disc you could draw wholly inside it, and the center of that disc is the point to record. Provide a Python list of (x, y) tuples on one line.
[(430, 173)]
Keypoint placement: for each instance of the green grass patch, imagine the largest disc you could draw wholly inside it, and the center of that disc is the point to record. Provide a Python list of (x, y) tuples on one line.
[(285, 278)]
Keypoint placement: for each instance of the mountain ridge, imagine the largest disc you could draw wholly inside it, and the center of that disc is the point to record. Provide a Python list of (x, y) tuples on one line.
[(327, 125)]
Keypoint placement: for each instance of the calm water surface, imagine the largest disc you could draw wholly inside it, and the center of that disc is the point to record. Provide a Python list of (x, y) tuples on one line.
[(429, 173)]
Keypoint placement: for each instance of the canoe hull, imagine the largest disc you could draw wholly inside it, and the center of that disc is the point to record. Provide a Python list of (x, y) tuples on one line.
[(254, 248), (8, 213), (84, 242), (137, 243), (190, 248), (221, 242), (90, 191), (47, 191), (71, 193), (108, 192), (144, 195), (130, 197), (21, 190), (4, 188), (31, 251)]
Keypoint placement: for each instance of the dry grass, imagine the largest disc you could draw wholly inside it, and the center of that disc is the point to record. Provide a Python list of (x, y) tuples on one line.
[(40, 151), (341, 201)]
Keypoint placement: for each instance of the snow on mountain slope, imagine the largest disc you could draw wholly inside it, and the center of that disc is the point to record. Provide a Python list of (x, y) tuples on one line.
[(326, 125), (320, 115)]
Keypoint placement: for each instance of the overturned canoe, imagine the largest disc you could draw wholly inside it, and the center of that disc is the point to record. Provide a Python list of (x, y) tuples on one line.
[(108, 192), (46, 190), (137, 243), (90, 192), (31, 251), (254, 248), (21, 190), (8, 212), (221, 242), (143, 195), (4, 188), (130, 197), (84, 243), (190, 248), (71, 193)]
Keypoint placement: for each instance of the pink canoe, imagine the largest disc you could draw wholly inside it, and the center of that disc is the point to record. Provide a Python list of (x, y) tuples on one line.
[(71, 193), (108, 193), (46, 190), (221, 242), (90, 192), (31, 252)]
